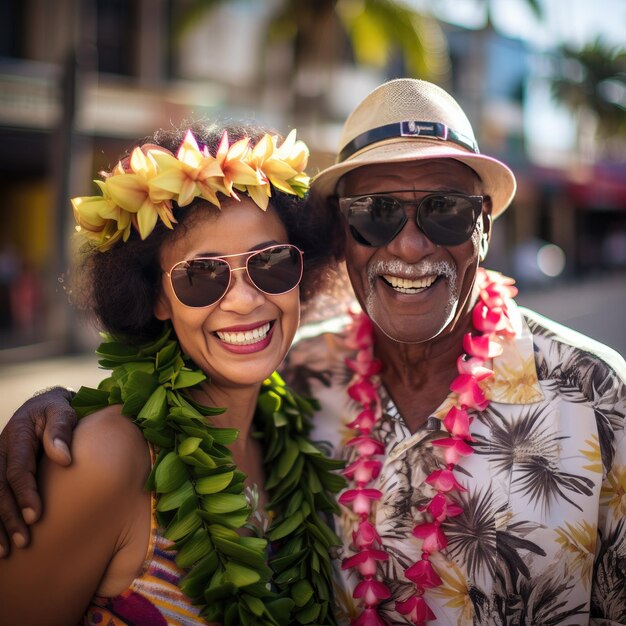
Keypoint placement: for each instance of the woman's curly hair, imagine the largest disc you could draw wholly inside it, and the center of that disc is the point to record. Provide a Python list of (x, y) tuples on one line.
[(121, 285)]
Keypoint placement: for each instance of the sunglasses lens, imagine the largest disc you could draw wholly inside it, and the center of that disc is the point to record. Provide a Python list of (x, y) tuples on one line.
[(200, 282), (447, 220), (276, 270), (375, 220)]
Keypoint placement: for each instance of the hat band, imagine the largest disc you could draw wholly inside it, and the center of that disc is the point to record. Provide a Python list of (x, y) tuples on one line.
[(407, 129)]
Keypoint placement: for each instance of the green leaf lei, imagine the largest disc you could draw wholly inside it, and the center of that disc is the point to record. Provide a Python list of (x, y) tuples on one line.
[(201, 501)]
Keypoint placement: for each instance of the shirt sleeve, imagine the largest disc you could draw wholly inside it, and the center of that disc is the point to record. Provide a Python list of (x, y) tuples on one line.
[(608, 594)]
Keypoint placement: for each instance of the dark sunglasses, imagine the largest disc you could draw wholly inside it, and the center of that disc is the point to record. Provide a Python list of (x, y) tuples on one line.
[(203, 281), (447, 219)]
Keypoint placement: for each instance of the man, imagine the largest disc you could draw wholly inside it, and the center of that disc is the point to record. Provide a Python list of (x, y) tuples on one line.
[(527, 524)]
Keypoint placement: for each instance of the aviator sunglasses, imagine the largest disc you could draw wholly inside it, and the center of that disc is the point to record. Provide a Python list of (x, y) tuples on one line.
[(203, 281), (447, 219)]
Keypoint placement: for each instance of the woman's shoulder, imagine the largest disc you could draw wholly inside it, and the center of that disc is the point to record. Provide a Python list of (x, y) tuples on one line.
[(108, 426), (109, 450), (92, 510)]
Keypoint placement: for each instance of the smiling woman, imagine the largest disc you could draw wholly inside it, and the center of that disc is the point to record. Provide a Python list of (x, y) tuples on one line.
[(244, 335), (199, 250)]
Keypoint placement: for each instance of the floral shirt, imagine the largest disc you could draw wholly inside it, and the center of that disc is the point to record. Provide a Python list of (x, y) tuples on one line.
[(542, 538)]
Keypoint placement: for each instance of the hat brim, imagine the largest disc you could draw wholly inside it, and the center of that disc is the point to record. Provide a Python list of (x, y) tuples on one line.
[(498, 180)]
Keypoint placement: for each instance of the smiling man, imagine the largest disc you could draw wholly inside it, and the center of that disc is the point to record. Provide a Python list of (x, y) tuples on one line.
[(486, 445)]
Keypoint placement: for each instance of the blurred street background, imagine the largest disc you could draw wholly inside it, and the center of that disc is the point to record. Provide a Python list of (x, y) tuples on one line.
[(543, 82)]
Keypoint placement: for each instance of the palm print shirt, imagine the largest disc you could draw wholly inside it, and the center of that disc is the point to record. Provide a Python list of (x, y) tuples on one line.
[(542, 539)]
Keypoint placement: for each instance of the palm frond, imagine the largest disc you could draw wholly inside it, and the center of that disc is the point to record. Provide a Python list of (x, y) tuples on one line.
[(541, 481), (539, 601), (379, 29), (472, 535), (592, 78), (608, 598)]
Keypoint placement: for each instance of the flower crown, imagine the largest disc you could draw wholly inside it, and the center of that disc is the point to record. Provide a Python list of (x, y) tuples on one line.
[(141, 189)]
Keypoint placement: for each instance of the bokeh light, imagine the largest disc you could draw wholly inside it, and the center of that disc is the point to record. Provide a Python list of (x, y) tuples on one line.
[(551, 260)]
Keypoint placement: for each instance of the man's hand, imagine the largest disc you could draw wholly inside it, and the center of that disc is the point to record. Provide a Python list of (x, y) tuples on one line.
[(47, 416)]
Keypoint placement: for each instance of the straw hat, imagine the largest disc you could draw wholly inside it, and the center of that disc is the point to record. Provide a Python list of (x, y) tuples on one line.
[(410, 120)]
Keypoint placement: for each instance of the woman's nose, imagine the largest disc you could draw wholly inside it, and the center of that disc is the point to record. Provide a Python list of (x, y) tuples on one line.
[(242, 296)]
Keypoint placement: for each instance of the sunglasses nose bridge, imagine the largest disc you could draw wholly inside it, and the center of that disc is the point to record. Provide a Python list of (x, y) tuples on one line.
[(246, 277), (410, 211), (413, 214), (410, 240), (242, 294)]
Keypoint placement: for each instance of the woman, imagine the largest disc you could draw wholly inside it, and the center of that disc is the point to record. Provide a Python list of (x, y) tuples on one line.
[(195, 256)]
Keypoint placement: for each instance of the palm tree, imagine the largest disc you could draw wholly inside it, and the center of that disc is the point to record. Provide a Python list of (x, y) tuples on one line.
[(324, 35), (592, 81)]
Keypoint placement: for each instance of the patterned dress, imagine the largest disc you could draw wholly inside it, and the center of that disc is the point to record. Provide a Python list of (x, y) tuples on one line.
[(542, 539)]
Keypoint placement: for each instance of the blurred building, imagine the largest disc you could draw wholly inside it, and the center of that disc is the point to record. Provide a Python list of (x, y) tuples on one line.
[(80, 79), (569, 217)]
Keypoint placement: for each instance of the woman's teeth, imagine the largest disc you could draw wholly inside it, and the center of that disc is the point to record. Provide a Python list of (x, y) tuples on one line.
[(408, 285), (246, 337)]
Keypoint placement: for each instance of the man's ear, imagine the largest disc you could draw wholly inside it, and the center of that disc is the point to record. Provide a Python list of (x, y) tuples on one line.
[(487, 223), (162, 308)]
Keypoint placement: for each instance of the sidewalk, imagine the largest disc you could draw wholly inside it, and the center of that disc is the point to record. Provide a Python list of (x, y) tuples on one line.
[(595, 307), (19, 382)]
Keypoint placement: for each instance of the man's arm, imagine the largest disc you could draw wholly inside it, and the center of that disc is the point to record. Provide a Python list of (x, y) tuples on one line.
[(46, 417)]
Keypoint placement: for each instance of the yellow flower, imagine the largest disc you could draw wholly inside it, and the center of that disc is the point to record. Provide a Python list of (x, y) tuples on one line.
[(132, 192), (593, 454), (237, 172), (454, 589), (100, 218), (189, 174), (580, 541), (295, 154), (515, 379), (265, 158), (613, 491), (141, 190), (282, 166)]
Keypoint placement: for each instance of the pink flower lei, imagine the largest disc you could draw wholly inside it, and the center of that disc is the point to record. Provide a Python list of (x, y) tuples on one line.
[(490, 319)]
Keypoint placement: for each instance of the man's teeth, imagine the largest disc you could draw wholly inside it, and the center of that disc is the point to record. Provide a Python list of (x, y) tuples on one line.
[(408, 285), (246, 337)]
